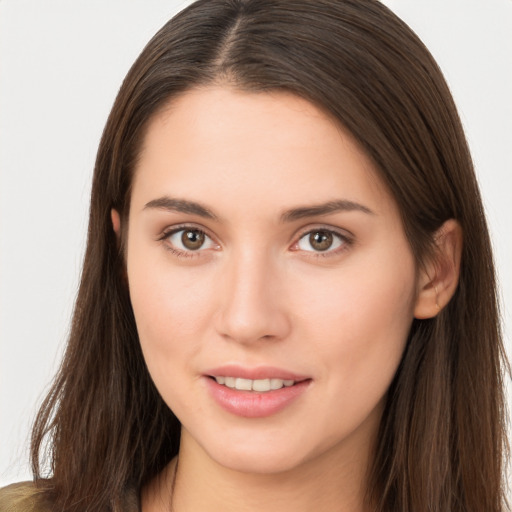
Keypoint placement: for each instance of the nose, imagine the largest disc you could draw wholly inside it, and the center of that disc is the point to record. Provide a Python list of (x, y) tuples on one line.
[(252, 300)]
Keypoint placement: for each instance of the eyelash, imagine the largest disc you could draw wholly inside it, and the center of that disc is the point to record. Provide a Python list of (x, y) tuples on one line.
[(345, 239), (165, 237)]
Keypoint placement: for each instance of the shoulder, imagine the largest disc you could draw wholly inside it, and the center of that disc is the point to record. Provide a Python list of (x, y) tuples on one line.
[(28, 497), (23, 497)]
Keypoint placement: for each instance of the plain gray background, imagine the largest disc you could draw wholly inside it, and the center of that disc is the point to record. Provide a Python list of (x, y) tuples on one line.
[(61, 64)]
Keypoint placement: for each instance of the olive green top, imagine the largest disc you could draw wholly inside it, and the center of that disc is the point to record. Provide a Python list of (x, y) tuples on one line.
[(26, 497), (23, 497)]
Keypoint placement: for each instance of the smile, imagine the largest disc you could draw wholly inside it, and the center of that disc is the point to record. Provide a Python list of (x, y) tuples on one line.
[(258, 385), (260, 396)]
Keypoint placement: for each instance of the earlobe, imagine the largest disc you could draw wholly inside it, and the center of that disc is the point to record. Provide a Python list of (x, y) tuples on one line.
[(116, 222), (439, 277)]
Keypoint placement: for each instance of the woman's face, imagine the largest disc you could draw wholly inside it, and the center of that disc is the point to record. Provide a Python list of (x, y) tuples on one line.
[(265, 253)]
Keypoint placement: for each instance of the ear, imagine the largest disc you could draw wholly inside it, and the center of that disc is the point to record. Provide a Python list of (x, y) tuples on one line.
[(116, 222), (439, 277)]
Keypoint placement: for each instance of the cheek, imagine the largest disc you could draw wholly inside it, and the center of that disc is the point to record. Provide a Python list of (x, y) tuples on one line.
[(359, 321), (167, 312), (169, 308)]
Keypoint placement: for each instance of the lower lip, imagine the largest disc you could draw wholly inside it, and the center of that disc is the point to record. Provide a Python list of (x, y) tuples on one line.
[(251, 404)]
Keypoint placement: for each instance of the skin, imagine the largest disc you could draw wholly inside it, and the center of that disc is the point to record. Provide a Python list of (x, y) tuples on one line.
[(259, 293)]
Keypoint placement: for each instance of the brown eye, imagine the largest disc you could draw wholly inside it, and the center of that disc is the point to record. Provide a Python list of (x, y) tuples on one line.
[(320, 240), (192, 239), (189, 240)]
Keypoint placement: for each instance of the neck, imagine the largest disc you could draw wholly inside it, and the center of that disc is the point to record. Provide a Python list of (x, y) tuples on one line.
[(333, 481)]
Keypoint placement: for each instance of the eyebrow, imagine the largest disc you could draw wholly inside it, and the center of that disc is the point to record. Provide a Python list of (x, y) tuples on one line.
[(194, 208), (181, 206), (340, 205)]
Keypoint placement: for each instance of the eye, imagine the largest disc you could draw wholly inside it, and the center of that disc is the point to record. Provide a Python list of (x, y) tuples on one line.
[(321, 240), (189, 239)]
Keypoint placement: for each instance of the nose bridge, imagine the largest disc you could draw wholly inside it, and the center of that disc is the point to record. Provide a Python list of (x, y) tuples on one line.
[(252, 305)]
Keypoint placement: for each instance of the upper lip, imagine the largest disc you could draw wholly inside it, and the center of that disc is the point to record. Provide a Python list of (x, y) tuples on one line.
[(255, 373)]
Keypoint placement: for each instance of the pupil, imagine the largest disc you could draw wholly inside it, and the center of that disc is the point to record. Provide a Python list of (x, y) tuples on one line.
[(321, 240), (192, 240)]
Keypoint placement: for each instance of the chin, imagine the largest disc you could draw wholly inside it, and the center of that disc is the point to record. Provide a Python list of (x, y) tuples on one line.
[(256, 461)]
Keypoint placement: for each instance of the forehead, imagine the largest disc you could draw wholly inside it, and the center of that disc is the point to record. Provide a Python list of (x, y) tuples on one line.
[(264, 149)]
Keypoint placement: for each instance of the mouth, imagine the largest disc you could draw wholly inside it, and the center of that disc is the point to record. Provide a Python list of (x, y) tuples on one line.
[(257, 392), (256, 385)]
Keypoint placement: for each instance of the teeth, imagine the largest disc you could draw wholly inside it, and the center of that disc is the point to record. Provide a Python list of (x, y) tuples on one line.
[(260, 385), (243, 384), (276, 383), (229, 382)]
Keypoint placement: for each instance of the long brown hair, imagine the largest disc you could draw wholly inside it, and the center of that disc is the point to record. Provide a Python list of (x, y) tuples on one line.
[(442, 437)]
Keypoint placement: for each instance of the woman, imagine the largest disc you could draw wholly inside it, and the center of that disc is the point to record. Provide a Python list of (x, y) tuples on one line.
[(288, 297)]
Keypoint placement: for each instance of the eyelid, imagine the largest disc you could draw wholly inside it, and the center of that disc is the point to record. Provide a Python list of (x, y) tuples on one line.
[(347, 237), (171, 230)]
